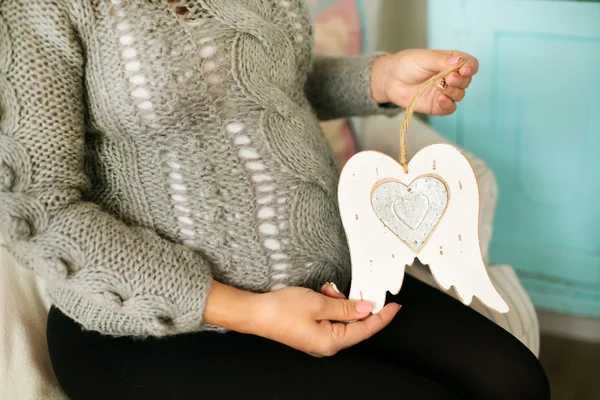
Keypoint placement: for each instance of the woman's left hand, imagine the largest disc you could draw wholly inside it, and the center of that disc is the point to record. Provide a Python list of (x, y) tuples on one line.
[(396, 78)]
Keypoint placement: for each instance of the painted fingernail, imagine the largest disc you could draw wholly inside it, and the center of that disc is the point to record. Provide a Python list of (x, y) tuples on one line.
[(364, 307), (454, 60), (334, 287)]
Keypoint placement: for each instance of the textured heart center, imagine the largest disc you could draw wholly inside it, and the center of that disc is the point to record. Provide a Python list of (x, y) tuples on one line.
[(412, 212)]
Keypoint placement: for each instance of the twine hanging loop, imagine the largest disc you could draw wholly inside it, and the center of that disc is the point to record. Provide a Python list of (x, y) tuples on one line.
[(411, 108)]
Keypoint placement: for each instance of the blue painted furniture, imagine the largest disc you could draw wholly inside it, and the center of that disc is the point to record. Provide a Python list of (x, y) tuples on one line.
[(533, 113)]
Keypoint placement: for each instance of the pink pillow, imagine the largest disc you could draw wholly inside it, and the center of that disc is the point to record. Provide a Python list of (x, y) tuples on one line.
[(338, 32)]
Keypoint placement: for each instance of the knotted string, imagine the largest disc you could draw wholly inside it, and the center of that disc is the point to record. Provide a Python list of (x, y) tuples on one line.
[(411, 108)]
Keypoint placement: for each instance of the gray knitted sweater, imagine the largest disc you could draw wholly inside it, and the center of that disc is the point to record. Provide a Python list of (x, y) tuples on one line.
[(149, 147)]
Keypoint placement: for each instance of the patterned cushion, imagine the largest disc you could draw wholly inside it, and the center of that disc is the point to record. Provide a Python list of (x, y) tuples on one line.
[(338, 32)]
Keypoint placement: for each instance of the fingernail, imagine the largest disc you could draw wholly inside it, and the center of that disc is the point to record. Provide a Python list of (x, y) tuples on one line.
[(454, 60), (466, 71), (364, 307), (334, 287), (451, 80)]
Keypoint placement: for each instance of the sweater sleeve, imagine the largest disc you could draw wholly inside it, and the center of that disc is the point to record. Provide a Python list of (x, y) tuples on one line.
[(109, 276), (341, 87)]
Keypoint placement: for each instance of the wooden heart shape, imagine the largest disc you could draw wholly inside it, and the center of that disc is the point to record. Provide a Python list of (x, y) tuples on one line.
[(385, 210), (410, 212), (403, 206)]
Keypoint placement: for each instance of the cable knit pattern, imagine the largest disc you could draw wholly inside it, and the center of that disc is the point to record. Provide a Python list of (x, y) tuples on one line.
[(149, 147)]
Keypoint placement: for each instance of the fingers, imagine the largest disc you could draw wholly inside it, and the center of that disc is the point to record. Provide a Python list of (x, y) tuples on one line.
[(346, 335), (456, 80), (454, 93), (452, 88), (444, 105), (433, 61), (454, 57), (330, 290), (336, 309), (440, 60)]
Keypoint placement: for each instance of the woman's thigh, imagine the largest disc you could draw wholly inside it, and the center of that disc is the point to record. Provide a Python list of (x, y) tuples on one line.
[(224, 366), (438, 336)]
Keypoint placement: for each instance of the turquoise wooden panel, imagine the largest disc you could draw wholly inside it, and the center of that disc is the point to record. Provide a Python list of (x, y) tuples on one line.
[(533, 113)]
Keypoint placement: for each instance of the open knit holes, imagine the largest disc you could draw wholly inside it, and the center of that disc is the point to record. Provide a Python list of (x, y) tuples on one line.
[(278, 286), (207, 51), (190, 11), (139, 92), (193, 14), (270, 211), (142, 99), (267, 201), (178, 191), (293, 17)]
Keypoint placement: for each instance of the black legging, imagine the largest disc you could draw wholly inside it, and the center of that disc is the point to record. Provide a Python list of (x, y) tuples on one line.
[(436, 348)]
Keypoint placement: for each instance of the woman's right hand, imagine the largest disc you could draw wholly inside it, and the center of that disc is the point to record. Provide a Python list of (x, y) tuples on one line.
[(317, 324)]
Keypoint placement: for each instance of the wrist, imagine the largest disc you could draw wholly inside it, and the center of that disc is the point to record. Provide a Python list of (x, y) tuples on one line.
[(379, 78), (233, 309)]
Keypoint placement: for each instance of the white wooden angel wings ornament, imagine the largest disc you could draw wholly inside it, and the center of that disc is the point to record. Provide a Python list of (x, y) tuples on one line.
[(427, 209)]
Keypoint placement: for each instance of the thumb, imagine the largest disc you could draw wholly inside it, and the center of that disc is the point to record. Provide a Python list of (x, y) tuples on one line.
[(436, 61), (345, 310)]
